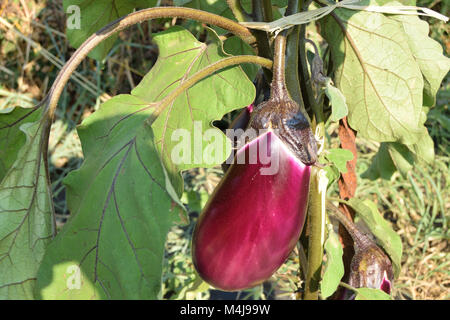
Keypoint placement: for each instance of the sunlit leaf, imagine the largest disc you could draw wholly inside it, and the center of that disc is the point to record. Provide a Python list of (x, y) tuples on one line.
[(371, 294), (340, 157), (26, 217), (377, 73), (180, 56), (339, 107), (334, 266), (122, 206), (122, 200)]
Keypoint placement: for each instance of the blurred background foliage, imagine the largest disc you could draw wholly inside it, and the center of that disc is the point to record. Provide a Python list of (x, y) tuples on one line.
[(33, 47)]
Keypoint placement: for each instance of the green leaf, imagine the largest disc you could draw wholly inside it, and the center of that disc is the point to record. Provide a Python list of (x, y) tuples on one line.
[(401, 157), (381, 229), (334, 266), (381, 166), (26, 217), (93, 16), (218, 7), (377, 73), (181, 55), (371, 294), (11, 137), (423, 150), (122, 206), (235, 46), (393, 156), (333, 174), (339, 157), (122, 200), (339, 107), (427, 53), (195, 200)]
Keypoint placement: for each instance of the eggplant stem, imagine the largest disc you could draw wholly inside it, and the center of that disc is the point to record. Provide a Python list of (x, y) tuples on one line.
[(315, 248), (279, 64)]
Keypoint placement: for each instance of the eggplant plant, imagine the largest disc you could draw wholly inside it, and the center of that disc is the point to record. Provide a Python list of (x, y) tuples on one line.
[(367, 69)]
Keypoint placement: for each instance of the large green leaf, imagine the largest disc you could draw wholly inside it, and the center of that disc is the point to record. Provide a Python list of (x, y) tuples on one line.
[(122, 207), (96, 14), (426, 51), (377, 73), (334, 266), (26, 216), (381, 229), (122, 199), (180, 56), (428, 55), (11, 137)]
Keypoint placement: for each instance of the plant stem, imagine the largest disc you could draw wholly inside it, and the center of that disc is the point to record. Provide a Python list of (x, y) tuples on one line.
[(203, 74), (315, 249), (51, 99), (261, 37), (267, 11), (279, 63), (305, 78), (347, 286), (292, 78), (129, 20), (360, 239), (238, 10)]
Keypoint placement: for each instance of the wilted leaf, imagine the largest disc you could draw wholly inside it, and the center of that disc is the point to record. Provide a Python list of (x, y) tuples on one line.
[(377, 73), (381, 229), (26, 216), (423, 150), (334, 266), (94, 15)]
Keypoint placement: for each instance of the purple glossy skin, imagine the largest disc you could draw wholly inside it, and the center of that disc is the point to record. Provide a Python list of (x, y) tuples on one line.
[(252, 221)]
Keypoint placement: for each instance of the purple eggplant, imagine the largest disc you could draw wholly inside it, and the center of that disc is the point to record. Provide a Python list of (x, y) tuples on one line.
[(370, 266), (240, 122), (253, 220), (255, 216)]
